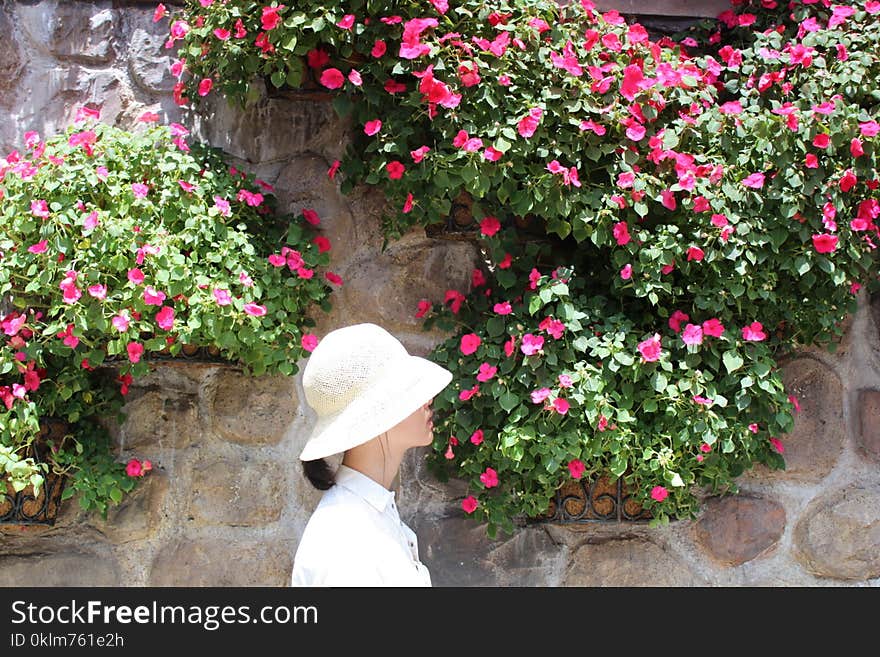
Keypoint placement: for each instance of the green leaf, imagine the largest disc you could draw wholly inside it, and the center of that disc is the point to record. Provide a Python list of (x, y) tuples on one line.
[(624, 358), (732, 361), (508, 401)]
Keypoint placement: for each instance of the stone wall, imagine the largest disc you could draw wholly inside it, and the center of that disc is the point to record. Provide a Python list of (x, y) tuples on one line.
[(226, 503)]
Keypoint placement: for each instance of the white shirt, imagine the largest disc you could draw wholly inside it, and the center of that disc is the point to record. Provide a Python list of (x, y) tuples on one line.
[(355, 538)]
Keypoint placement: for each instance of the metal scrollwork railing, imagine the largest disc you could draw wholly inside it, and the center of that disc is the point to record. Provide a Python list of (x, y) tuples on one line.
[(24, 508), (601, 500)]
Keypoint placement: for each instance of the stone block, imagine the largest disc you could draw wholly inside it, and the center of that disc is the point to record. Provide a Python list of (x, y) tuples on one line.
[(10, 55), (138, 516), (838, 535), (816, 441), (238, 492), (386, 288), (304, 184), (868, 436), (149, 62), (70, 568), (251, 410), (628, 563), (81, 32), (157, 420), (736, 529), (224, 561), (272, 129)]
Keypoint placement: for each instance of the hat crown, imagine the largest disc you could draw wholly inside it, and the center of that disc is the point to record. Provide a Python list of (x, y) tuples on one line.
[(346, 363)]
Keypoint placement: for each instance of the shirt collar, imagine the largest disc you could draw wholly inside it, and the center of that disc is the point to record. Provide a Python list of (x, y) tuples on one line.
[(362, 486)]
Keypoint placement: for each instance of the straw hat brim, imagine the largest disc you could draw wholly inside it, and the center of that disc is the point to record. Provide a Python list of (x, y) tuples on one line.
[(401, 391)]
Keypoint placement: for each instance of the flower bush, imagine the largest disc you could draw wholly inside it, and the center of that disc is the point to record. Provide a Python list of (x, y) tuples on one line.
[(710, 203), (116, 245)]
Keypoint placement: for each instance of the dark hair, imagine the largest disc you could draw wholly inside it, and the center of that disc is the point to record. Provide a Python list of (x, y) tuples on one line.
[(319, 474)]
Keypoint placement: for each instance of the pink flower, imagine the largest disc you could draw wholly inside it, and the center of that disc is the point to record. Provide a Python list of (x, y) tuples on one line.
[(489, 226), (40, 209), (136, 276), (510, 347), (372, 127), (98, 291), (222, 297), (565, 381), (470, 343), (346, 22), (254, 309), (486, 372), (659, 493), (464, 395), (424, 307), (165, 318), (205, 86), (502, 308), (331, 172), (777, 445), (754, 332), (135, 350), (379, 48), (153, 297), (91, 221), (134, 468), (531, 344), (702, 400), (713, 327), (540, 395), (561, 405), (793, 400), (140, 190), (869, 129), (576, 468), (651, 349), (705, 448), (469, 504), (477, 437), (621, 233), (309, 341), (332, 78), (821, 140), (753, 427), (335, 279), (693, 334), (492, 154), (419, 154), (39, 247), (120, 322), (489, 478), (755, 181), (825, 243), (626, 272)]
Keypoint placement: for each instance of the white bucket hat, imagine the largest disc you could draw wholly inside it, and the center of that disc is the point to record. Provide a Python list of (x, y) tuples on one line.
[(361, 381)]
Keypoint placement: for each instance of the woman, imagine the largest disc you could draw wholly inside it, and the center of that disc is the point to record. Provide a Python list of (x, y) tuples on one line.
[(373, 402)]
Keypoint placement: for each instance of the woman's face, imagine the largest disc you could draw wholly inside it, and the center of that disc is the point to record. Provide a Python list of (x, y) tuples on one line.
[(417, 430)]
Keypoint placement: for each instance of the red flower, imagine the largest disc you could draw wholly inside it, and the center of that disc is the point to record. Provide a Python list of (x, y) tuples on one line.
[(825, 243), (332, 78), (270, 17), (489, 226), (489, 478), (469, 504), (576, 468), (395, 170), (470, 342)]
